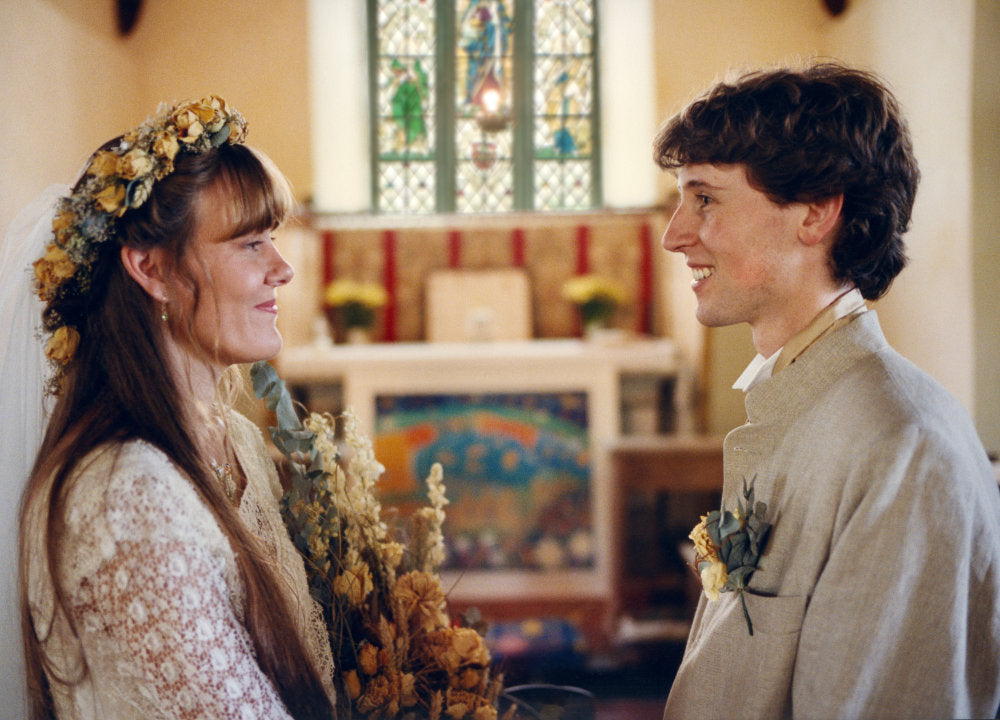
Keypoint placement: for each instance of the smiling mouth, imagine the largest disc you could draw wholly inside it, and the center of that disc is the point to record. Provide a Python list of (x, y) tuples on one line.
[(700, 273)]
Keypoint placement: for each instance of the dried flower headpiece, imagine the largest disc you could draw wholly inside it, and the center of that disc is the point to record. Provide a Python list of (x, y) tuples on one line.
[(119, 178)]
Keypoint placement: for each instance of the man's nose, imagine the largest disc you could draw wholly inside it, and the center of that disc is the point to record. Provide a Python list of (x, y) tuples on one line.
[(680, 232)]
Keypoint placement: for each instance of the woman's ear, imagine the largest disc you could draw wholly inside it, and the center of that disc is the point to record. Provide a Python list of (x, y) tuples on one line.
[(821, 219), (148, 268)]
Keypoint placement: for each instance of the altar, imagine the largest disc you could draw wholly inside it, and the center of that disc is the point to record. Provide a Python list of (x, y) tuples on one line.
[(537, 541)]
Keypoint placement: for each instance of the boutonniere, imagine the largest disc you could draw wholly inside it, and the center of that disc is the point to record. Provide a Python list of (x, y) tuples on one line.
[(728, 545)]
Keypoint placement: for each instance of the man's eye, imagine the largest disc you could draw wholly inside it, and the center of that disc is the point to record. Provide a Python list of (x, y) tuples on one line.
[(702, 200)]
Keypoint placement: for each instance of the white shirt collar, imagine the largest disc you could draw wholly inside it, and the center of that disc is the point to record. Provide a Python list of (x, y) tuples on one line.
[(758, 370)]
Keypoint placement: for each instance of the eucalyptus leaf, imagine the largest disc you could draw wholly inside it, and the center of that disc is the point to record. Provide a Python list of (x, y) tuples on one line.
[(729, 525)]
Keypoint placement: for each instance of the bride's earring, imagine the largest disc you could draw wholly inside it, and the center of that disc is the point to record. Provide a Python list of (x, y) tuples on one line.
[(163, 310)]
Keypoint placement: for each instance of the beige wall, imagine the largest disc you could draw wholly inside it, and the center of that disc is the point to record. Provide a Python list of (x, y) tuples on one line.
[(70, 82)]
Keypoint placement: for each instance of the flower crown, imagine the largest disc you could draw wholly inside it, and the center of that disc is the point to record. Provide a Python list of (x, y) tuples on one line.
[(119, 178)]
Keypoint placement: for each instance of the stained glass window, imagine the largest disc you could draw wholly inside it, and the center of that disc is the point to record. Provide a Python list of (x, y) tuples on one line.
[(484, 105)]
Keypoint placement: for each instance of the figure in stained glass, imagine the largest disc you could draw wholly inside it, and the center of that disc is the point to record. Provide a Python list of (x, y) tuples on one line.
[(408, 104), (485, 33), (565, 94)]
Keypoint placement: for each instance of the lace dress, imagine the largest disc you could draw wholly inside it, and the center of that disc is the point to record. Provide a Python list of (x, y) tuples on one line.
[(152, 587)]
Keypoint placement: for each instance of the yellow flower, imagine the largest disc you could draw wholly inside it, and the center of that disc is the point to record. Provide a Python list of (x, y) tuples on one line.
[(470, 647), (368, 659), (422, 599), (392, 554), (104, 164), (111, 199), (379, 692), (469, 679), (62, 225), (188, 123), (52, 270), (343, 292), (485, 712), (407, 690), (354, 584), (713, 578), (702, 543), (353, 684), (213, 112), (166, 146), (588, 288), (135, 163), (62, 345)]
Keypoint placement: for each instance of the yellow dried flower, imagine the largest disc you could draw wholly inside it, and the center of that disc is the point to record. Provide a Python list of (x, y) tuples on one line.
[(112, 199), (407, 690), (62, 225), (470, 647), (485, 712), (368, 659), (469, 679), (422, 599), (353, 684), (392, 554), (378, 692), (165, 145), (52, 270), (702, 543), (104, 164), (354, 584), (135, 163), (713, 578), (188, 122), (62, 345)]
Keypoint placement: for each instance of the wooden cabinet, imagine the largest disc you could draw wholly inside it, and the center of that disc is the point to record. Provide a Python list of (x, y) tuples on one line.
[(660, 486)]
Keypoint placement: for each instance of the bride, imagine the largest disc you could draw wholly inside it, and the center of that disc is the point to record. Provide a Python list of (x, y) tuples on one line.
[(156, 577)]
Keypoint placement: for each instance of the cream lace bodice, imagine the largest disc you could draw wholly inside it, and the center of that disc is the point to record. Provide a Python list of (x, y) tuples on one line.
[(152, 586)]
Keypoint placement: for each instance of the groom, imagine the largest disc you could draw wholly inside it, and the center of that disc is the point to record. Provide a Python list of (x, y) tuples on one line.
[(877, 592)]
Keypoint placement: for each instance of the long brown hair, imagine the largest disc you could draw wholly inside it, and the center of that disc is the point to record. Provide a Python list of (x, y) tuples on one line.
[(120, 387)]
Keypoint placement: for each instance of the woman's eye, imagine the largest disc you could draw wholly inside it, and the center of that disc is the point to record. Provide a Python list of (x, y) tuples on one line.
[(253, 244)]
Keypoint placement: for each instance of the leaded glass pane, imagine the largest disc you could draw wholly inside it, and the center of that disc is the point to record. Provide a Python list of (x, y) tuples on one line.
[(563, 184), (407, 187), (563, 102), (405, 105)]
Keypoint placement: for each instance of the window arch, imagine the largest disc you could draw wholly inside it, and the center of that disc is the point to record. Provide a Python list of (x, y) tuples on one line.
[(484, 105)]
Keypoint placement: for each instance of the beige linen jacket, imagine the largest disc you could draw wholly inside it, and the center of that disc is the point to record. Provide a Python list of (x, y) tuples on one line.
[(878, 594)]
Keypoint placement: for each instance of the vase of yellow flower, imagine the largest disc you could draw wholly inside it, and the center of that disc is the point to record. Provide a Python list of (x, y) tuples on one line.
[(596, 298), (351, 308)]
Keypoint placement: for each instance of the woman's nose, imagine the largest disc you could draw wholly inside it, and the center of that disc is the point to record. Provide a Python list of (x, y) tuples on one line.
[(280, 272)]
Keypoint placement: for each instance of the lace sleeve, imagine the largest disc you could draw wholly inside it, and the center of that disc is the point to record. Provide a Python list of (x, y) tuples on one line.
[(159, 612)]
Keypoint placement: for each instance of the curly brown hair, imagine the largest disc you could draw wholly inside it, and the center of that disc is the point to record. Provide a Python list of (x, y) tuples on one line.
[(807, 135)]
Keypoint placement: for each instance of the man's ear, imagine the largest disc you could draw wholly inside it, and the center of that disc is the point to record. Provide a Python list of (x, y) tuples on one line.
[(148, 268), (821, 219)]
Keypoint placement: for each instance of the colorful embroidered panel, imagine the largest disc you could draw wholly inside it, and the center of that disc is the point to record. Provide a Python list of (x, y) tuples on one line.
[(474, 116), (517, 469)]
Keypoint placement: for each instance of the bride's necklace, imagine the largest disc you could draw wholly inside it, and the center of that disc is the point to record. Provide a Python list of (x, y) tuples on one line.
[(225, 475)]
